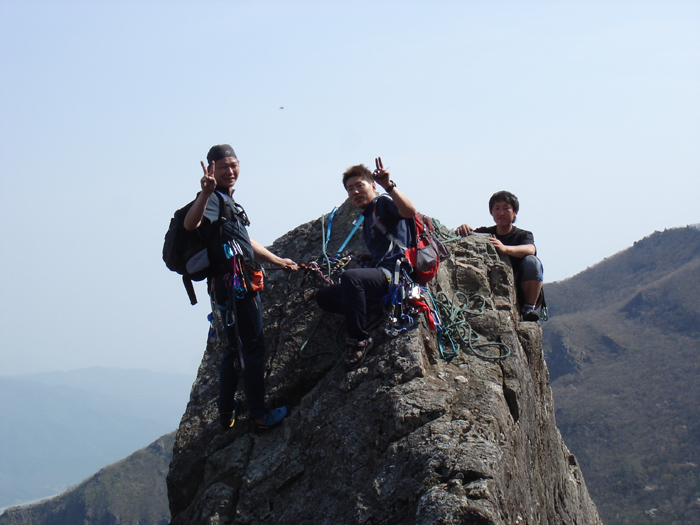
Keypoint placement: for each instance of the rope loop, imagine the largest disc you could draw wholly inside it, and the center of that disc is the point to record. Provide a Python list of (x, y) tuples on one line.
[(456, 332)]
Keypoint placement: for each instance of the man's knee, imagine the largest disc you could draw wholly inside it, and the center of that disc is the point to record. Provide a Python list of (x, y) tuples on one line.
[(329, 298), (531, 269), (353, 279)]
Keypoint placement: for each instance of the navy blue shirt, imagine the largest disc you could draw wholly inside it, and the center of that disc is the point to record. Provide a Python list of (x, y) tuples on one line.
[(384, 210)]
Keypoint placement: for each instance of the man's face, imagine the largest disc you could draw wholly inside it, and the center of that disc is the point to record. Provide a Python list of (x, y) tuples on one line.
[(361, 191), (226, 172), (503, 213)]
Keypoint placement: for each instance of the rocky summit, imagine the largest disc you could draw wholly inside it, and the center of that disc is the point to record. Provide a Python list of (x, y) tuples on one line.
[(422, 432)]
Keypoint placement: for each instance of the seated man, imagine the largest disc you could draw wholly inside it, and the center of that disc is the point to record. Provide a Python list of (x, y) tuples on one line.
[(361, 289), (519, 245)]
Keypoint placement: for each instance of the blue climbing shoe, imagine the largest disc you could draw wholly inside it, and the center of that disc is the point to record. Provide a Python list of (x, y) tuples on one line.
[(272, 418)]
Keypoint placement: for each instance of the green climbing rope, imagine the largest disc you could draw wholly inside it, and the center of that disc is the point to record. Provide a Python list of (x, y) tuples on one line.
[(443, 232), (455, 328)]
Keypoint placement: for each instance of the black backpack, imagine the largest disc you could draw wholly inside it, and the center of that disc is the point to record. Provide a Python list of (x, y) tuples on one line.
[(185, 252)]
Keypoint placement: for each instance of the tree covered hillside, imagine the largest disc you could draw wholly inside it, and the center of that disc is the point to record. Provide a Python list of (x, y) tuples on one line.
[(623, 351)]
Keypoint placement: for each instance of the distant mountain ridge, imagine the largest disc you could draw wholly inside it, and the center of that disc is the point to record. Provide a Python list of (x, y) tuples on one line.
[(613, 279), (58, 428), (622, 347), (131, 491)]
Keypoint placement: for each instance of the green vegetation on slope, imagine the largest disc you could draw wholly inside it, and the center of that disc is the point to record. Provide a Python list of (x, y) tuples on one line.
[(622, 347)]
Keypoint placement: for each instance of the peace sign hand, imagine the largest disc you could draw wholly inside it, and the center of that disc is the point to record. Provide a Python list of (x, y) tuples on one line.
[(381, 175), (208, 181)]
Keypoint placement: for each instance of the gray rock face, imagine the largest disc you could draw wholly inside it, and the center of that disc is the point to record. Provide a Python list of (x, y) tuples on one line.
[(408, 437)]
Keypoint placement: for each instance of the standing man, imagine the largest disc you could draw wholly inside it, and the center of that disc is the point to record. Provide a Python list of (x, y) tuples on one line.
[(360, 290), (519, 245), (228, 241)]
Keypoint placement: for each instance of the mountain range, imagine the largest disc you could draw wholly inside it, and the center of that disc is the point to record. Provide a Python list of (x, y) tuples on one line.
[(623, 351), (58, 428), (622, 346), (130, 491)]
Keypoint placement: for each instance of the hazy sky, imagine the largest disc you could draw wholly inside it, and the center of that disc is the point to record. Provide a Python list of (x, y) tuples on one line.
[(588, 111)]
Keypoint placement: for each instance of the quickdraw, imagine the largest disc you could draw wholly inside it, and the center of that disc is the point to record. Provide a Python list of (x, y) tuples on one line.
[(234, 280), (334, 266), (405, 301)]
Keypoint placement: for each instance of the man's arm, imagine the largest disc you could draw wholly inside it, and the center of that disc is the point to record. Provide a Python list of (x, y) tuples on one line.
[(193, 219), (518, 251), (403, 203), (263, 254)]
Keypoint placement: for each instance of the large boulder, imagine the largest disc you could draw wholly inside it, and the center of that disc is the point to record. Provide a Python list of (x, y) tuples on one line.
[(408, 437)]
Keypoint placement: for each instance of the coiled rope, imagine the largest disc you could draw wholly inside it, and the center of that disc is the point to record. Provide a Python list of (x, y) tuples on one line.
[(456, 330)]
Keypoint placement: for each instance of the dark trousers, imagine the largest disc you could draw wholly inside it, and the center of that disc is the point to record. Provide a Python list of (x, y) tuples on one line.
[(245, 358), (358, 294)]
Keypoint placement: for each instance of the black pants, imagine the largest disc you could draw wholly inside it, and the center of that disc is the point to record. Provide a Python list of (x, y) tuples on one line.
[(244, 355), (360, 292)]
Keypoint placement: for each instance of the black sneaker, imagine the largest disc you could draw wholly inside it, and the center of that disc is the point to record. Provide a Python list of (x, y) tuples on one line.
[(530, 314)]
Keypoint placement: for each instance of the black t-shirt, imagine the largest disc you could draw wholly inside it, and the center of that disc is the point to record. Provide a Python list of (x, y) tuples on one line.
[(516, 237)]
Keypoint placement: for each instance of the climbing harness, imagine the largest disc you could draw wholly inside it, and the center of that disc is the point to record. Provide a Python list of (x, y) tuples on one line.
[(404, 302), (335, 265)]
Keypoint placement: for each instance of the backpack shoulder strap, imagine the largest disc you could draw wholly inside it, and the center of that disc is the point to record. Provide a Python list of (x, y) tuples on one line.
[(376, 223), (186, 281), (190, 289)]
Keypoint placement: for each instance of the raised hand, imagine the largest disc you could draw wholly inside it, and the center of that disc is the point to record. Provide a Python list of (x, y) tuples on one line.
[(208, 181), (381, 175)]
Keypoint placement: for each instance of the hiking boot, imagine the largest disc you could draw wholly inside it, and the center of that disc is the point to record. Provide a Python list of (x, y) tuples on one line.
[(530, 314), (271, 418), (228, 419), (356, 351)]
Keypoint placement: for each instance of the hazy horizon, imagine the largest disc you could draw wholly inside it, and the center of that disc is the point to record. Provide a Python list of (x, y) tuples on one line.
[(587, 111)]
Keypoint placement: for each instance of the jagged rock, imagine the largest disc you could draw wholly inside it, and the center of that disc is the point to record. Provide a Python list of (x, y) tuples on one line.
[(406, 438)]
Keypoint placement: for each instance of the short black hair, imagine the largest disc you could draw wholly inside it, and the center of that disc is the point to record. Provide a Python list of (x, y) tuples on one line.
[(504, 196), (359, 170)]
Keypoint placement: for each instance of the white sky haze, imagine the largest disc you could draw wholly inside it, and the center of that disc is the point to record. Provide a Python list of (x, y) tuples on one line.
[(588, 111)]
